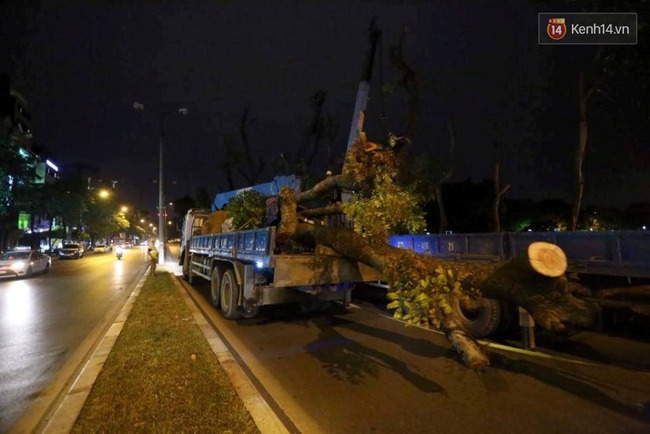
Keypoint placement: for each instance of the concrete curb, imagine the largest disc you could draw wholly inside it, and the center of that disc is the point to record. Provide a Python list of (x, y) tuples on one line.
[(263, 416), (63, 418)]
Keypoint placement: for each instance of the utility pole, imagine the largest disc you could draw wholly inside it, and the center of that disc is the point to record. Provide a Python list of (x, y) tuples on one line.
[(162, 210), (161, 194)]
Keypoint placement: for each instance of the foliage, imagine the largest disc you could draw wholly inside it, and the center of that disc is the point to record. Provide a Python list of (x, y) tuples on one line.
[(387, 208), (103, 220), (417, 296), (362, 166), (248, 210)]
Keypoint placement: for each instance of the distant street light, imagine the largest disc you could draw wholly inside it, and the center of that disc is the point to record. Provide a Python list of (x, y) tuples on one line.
[(103, 194), (161, 197)]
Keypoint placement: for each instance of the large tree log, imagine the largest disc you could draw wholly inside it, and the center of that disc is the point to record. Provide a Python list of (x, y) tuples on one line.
[(547, 298)]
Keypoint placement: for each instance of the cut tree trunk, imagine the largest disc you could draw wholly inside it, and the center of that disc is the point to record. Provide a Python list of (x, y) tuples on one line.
[(536, 283)]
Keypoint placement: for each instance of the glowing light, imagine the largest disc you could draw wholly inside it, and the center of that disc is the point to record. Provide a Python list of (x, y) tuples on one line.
[(52, 165), (18, 265), (19, 303), (259, 264), (103, 194)]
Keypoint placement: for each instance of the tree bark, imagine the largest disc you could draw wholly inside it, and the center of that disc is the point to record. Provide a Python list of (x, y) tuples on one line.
[(325, 186), (548, 299), (583, 99), (410, 82), (498, 192)]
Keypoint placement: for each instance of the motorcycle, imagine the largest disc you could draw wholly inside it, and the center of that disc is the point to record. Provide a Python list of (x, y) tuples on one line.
[(119, 252)]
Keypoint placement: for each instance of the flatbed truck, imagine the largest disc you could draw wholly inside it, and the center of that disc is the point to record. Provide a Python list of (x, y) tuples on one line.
[(245, 271)]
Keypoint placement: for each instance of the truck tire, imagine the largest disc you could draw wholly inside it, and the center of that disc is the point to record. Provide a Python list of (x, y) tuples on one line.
[(229, 295), (481, 321), (190, 278), (215, 287)]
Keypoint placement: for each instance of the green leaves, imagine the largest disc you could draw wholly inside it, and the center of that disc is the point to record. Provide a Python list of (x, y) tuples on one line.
[(388, 208), (248, 210), (419, 295)]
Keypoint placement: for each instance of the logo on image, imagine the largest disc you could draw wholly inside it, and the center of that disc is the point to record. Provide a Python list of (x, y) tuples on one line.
[(556, 28)]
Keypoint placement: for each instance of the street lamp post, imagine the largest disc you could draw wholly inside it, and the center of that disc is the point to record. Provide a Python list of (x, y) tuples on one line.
[(161, 196)]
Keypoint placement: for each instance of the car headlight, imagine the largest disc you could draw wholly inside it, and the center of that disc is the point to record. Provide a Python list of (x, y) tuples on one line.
[(18, 265)]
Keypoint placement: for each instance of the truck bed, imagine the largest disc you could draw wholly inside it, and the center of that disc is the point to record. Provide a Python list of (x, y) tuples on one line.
[(254, 245), (614, 253), (257, 246)]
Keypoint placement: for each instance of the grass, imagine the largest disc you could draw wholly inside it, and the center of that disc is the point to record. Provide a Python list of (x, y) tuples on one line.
[(161, 375)]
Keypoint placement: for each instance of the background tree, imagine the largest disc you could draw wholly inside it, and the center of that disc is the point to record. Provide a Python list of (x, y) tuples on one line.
[(322, 127), (253, 167), (183, 205), (409, 82), (469, 205), (104, 220), (202, 198), (499, 190), (614, 79), (230, 160)]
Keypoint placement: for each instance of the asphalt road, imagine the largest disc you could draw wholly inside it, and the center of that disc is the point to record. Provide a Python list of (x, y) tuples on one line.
[(356, 371), (47, 321)]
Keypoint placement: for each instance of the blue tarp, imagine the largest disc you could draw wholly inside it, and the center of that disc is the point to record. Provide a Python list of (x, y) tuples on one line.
[(267, 189)]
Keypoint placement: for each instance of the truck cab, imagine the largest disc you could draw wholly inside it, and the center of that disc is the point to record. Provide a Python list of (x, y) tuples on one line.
[(192, 225)]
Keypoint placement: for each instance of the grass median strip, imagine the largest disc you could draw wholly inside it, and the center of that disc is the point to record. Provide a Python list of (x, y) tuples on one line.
[(161, 375)]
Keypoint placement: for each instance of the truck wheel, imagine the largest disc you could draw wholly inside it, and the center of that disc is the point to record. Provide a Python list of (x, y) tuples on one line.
[(229, 295), (190, 278), (215, 286), (480, 320)]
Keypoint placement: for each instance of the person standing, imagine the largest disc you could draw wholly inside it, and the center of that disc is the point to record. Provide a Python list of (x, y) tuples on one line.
[(153, 256)]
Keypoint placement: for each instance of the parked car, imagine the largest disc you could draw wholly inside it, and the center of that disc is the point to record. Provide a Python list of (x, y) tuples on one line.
[(24, 263), (103, 248), (71, 250)]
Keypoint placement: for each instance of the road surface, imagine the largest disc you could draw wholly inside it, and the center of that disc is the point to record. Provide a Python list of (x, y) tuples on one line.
[(357, 371), (48, 321)]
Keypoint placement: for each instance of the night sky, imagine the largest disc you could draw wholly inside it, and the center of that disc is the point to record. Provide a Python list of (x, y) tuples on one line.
[(81, 66)]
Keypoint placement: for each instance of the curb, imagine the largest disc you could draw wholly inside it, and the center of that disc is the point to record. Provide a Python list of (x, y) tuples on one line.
[(64, 417), (264, 417)]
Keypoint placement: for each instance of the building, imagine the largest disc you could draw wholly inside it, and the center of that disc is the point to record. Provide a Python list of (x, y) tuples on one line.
[(16, 138)]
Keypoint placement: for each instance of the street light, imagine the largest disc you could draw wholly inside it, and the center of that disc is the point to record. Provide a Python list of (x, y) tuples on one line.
[(161, 197)]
